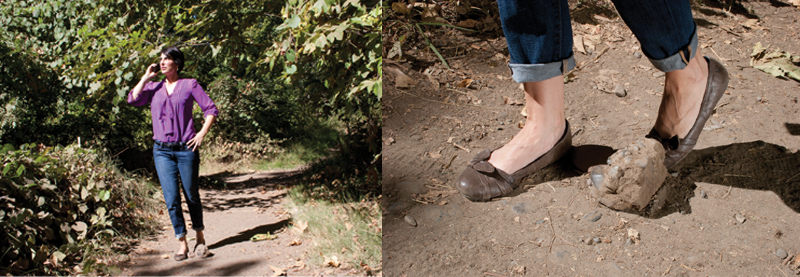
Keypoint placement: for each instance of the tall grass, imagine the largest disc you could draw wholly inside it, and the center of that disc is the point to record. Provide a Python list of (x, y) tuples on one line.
[(349, 233)]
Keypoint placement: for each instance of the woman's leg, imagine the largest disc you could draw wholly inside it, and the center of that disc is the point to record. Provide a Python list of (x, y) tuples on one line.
[(189, 167), (543, 127), (667, 33), (539, 37), (167, 170)]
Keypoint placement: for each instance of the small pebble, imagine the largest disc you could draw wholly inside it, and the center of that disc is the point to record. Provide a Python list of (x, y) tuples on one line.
[(740, 218), (410, 220), (781, 253), (758, 99), (620, 91), (674, 174), (658, 74), (593, 216), (596, 240), (628, 242), (539, 222), (637, 55), (589, 241), (597, 177), (703, 194)]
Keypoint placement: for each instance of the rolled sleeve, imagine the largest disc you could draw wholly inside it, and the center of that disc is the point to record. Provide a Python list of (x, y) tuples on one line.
[(144, 97), (202, 99)]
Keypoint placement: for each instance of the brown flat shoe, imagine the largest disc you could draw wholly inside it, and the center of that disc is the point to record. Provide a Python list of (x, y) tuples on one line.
[(481, 181), (676, 148)]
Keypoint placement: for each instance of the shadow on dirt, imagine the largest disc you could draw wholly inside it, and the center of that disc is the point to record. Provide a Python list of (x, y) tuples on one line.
[(246, 235), (227, 180), (753, 165), (222, 201), (227, 270)]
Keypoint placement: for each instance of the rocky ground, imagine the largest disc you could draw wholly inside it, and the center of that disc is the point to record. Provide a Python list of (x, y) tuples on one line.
[(732, 207)]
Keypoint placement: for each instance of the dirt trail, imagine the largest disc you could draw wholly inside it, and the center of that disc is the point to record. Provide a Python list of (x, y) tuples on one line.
[(239, 207), (726, 209)]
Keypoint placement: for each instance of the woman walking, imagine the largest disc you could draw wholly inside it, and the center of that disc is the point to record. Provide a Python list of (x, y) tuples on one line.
[(175, 150)]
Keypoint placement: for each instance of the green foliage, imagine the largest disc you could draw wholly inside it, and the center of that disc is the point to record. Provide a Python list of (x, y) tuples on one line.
[(59, 205), (273, 68), (331, 48)]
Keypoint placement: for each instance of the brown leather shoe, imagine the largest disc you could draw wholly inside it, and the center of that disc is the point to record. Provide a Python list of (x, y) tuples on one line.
[(481, 181), (676, 148)]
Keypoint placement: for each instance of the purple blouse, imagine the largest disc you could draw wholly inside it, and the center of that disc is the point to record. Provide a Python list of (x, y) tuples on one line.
[(172, 114)]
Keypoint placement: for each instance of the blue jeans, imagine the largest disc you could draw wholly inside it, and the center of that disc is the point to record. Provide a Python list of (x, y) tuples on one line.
[(173, 163), (539, 34)]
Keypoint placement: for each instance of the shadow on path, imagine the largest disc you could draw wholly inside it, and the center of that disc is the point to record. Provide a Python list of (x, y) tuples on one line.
[(272, 178), (179, 268), (246, 235), (753, 165)]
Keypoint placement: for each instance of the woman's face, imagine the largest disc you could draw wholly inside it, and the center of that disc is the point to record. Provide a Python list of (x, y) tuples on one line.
[(168, 66)]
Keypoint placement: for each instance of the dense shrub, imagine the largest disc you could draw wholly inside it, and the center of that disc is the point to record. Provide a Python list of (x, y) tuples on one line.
[(63, 206)]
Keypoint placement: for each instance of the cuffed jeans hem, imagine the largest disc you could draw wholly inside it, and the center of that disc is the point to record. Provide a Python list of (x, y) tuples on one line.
[(199, 229), (523, 73), (180, 235), (678, 60)]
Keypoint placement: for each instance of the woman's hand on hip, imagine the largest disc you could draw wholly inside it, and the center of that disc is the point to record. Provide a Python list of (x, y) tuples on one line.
[(196, 141)]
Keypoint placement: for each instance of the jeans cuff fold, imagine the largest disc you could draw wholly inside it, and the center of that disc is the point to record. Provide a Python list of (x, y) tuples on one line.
[(678, 60), (523, 73)]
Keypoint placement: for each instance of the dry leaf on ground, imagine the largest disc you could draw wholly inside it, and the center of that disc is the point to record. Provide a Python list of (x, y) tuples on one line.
[(300, 226), (401, 80), (778, 63), (277, 271), (332, 261)]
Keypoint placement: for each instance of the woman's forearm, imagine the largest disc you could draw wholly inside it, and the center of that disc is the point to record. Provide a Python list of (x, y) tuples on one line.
[(207, 124)]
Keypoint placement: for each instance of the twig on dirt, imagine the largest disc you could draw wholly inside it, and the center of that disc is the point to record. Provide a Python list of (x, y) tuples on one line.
[(573, 198), (487, 273), (450, 162), (551, 186), (779, 269), (787, 180), (689, 268), (420, 201), (727, 193), (460, 147), (734, 175), (665, 272), (715, 53), (729, 31), (600, 54), (556, 235)]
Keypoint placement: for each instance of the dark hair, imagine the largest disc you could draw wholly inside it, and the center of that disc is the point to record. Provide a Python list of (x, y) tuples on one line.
[(174, 54)]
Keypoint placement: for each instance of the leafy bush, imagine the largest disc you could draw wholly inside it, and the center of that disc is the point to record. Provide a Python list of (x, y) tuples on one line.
[(64, 206)]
